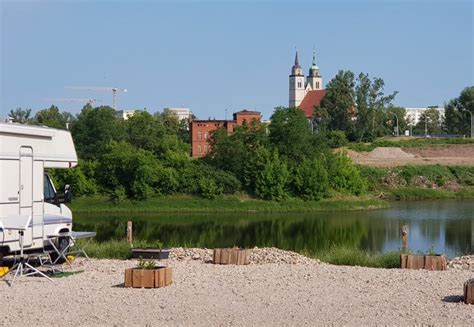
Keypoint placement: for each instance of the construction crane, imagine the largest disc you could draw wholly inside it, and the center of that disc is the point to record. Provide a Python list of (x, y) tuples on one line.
[(100, 89)]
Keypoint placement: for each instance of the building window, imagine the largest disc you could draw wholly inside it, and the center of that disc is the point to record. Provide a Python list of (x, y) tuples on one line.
[(299, 84), (205, 136), (199, 149), (205, 149), (317, 85), (199, 136)]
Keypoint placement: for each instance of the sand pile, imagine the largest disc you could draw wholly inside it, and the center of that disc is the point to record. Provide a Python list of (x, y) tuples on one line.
[(389, 153), (257, 255)]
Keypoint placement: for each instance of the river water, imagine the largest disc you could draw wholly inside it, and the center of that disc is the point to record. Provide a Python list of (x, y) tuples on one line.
[(445, 226)]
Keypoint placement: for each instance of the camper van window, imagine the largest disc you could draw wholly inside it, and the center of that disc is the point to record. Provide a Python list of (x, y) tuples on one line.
[(49, 195)]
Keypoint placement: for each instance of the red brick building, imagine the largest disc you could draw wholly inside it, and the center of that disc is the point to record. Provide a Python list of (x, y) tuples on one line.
[(200, 130)]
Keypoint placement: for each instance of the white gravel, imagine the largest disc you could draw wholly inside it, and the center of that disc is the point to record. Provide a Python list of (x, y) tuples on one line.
[(266, 294)]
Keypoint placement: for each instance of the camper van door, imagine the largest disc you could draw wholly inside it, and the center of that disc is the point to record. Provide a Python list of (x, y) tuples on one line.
[(26, 189)]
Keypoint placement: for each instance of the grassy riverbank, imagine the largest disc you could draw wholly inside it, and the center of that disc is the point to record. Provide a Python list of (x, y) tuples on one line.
[(231, 203)]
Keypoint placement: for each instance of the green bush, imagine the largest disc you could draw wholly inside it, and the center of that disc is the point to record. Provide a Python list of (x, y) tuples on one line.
[(336, 139), (209, 189), (464, 175), (436, 173), (344, 176), (118, 195), (311, 180), (373, 176), (272, 179)]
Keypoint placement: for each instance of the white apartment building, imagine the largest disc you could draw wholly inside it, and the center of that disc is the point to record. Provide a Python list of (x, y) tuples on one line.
[(125, 114), (413, 114), (182, 113)]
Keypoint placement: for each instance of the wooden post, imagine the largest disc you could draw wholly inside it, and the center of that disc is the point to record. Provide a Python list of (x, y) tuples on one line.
[(404, 239), (129, 232)]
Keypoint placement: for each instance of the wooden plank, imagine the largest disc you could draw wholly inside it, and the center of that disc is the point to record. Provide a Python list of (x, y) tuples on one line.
[(148, 278), (128, 277), (233, 256), (435, 262), (224, 256), (469, 292), (415, 262), (430, 262), (403, 261), (137, 278), (217, 256), (246, 257)]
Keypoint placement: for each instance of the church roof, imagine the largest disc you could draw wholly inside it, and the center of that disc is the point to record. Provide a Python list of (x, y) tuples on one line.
[(311, 99)]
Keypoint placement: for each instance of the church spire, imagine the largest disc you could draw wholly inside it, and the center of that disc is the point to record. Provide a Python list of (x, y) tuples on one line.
[(296, 69), (314, 57)]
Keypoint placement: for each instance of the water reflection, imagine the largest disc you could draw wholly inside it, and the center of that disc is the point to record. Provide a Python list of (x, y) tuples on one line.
[(445, 226)]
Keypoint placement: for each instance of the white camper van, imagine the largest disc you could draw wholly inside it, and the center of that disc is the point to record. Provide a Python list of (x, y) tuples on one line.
[(26, 152)]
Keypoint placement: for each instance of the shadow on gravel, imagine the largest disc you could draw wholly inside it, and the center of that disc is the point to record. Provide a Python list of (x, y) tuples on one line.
[(453, 298), (121, 285)]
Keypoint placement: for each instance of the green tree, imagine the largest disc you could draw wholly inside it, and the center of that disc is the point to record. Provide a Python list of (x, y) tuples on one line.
[(290, 134), (273, 176), (457, 117), (136, 170), (392, 114), (370, 102), (52, 117), (94, 129), (338, 104), (233, 153), (150, 133), (20, 115), (311, 180)]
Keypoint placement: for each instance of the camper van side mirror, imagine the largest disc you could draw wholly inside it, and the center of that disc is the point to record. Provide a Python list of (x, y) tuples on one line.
[(67, 193)]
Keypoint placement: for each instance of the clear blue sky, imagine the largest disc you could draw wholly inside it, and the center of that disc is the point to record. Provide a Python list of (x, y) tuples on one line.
[(215, 55)]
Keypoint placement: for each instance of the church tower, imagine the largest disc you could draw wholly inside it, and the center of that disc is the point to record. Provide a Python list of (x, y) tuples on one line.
[(297, 87), (315, 81)]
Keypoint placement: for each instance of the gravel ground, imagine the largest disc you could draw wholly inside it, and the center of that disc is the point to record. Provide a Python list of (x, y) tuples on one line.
[(277, 288)]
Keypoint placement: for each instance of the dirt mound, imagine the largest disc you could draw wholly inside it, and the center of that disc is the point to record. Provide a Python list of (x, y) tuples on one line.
[(389, 153), (443, 151)]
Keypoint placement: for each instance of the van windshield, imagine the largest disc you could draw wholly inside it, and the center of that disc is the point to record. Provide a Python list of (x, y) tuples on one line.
[(49, 195)]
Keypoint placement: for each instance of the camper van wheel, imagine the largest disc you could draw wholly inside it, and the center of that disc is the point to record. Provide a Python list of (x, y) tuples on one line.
[(63, 242)]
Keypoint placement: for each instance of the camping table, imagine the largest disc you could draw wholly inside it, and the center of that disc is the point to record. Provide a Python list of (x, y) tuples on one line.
[(72, 238)]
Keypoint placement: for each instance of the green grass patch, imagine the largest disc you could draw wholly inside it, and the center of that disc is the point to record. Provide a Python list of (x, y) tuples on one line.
[(346, 256), (230, 203), (419, 193), (113, 249)]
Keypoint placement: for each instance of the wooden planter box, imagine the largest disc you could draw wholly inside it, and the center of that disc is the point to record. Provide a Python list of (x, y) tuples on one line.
[(149, 253), (148, 278), (428, 262), (469, 291), (231, 257)]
